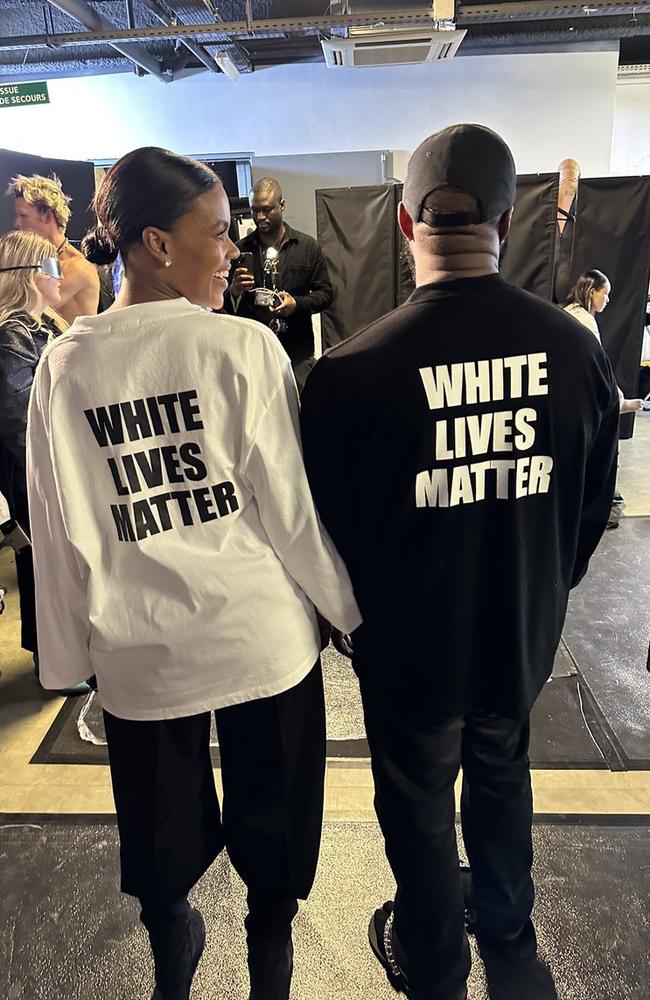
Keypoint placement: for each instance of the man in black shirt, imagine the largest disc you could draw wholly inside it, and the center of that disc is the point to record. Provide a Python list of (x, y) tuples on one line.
[(462, 454), (277, 256)]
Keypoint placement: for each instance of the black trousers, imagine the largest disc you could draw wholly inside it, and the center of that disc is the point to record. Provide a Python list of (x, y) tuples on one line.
[(27, 595), (170, 821), (415, 763)]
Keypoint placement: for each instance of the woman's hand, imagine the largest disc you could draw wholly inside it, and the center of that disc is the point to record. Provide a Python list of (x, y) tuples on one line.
[(631, 405), (342, 643)]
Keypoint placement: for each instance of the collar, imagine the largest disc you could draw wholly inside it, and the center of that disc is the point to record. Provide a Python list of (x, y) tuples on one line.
[(252, 240), (455, 286)]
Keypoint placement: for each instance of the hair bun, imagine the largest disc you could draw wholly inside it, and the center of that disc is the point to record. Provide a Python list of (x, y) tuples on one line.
[(98, 246)]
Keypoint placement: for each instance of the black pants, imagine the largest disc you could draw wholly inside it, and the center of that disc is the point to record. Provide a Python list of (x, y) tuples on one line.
[(301, 370), (169, 818), (27, 595), (415, 764)]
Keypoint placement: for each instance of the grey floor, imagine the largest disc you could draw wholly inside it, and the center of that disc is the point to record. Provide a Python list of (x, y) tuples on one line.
[(76, 938), (608, 632)]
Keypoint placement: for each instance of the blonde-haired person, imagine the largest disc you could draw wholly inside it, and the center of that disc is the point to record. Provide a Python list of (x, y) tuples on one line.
[(43, 208), (30, 279)]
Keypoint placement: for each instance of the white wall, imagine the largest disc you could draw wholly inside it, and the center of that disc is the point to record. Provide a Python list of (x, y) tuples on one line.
[(302, 175), (547, 106), (631, 144)]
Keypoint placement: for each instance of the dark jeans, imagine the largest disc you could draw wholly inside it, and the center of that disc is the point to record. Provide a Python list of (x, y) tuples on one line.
[(415, 763), (169, 818)]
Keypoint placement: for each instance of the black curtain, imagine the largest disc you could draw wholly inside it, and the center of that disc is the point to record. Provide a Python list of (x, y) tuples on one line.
[(530, 254), (358, 235), (612, 233), (77, 179)]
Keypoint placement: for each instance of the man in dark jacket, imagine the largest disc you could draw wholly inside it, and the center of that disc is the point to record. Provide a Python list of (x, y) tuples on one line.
[(462, 454), (275, 256)]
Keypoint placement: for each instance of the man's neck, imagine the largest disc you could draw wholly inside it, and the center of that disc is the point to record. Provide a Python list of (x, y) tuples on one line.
[(454, 255), (60, 241), (272, 239)]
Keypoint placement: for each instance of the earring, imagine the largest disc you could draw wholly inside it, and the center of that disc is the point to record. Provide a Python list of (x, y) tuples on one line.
[(168, 263)]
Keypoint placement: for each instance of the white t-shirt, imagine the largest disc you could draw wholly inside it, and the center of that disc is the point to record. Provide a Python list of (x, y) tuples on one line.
[(178, 553), (584, 316)]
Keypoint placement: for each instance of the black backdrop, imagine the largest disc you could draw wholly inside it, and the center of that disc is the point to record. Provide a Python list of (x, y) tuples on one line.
[(529, 257), (359, 236), (78, 180), (612, 233)]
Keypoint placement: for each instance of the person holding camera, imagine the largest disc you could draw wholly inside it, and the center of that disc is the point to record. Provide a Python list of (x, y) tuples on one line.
[(280, 278)]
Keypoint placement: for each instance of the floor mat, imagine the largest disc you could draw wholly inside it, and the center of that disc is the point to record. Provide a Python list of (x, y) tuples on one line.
[(564, 733), (66, 933), (608, 631)]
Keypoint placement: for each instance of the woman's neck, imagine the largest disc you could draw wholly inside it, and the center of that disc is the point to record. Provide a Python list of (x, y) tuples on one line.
[(135, 292)]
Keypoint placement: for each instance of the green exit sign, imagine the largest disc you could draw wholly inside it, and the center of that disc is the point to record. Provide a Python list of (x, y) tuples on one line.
[(23, 95)]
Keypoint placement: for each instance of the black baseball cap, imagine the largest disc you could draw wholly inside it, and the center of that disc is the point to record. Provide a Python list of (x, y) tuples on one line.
[(471, 158)]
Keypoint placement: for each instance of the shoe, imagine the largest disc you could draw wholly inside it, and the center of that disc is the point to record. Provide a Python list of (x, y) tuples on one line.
[(509, 978), (179, 967), (380, 935)]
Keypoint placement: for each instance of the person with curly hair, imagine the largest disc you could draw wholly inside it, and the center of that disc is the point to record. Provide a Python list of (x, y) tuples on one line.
[(43, 208)]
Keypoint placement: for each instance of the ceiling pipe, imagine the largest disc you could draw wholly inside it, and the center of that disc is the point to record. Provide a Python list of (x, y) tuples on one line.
[(81, 11), (189, 43), (470, 14)]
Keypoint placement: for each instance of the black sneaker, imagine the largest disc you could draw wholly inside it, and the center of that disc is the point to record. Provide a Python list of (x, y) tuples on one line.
[(176, 961), (380, 935)]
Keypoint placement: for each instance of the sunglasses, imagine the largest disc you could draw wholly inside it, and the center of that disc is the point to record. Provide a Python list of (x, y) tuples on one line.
[(50, 266)]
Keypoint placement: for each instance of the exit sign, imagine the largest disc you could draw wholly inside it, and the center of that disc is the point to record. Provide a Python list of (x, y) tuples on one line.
[(23, 95)]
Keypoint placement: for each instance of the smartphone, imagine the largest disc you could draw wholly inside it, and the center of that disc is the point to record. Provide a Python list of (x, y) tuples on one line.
[(245, 260)]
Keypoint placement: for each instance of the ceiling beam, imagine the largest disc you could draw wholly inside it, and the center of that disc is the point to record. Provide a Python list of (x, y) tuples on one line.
[(189, 43), (467, 14), (81, 11)]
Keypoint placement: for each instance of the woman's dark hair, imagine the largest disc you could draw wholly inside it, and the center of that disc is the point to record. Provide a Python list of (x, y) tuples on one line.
[(590, 281), (147, 187)]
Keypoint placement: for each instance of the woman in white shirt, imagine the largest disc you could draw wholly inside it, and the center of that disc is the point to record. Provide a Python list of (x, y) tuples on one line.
[(179, 558), (585, 301)]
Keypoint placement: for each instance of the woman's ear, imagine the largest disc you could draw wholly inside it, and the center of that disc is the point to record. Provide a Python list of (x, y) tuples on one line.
[(156, 241)]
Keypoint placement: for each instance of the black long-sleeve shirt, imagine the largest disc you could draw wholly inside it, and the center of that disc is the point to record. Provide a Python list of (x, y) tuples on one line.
[(303, 273), (462, 454), (22, 341)]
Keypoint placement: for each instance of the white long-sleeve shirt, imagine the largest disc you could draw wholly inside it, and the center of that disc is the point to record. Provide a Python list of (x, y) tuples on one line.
[(178, 553), (585, 317)]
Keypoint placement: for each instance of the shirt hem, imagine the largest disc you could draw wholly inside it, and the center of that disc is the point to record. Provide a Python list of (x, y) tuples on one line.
[(211, 703)]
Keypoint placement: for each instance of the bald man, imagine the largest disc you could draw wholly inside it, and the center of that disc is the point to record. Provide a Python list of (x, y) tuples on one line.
[(299, 274), (43, 208)]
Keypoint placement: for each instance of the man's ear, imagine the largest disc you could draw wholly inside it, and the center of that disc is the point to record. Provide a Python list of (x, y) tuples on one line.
[(282, 204), (405, 222), (504, 224)]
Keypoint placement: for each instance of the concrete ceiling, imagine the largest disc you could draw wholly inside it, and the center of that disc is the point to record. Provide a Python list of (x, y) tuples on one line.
[(171, 38)]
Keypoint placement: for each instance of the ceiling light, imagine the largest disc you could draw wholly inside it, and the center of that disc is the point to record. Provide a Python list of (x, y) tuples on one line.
[(227, 66)]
